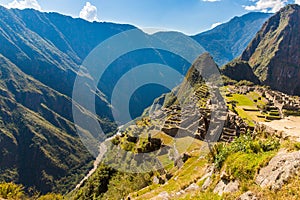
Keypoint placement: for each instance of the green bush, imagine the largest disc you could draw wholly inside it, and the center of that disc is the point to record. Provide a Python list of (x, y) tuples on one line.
[(128, 146), (11, 191), (115, 141), (244, 83), (244, 143), (244, 166), (96, 185), (51, 196), (291, 112)]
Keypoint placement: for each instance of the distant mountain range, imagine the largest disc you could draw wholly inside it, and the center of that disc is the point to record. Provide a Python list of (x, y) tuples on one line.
[(40, 55), (227, 41)]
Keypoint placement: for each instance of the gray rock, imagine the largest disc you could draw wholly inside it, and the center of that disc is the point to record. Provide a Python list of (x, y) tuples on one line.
[(225, 186), (206, 183), (224, 175), (162, 196), (179, 162), (155, 180), (248, 196), (279, 170), (181, 192), (192, 187), (207, 177)]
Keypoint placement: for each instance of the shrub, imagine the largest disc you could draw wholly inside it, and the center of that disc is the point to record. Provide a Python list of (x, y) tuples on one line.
[(244, 83), (115, 141), (244, 166), (51, 196), (11, 191), (245, 144)]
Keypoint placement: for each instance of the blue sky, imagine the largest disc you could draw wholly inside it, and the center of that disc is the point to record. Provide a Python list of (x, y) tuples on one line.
[(188, 16)]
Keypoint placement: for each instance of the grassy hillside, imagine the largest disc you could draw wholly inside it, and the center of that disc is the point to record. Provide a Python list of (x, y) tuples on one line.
[(39, 144)]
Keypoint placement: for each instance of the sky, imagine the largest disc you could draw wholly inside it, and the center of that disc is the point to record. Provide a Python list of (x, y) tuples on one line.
[(187, 16)]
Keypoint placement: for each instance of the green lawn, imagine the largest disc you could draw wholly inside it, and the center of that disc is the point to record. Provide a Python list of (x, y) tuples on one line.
[(249, 101), (242, 100)]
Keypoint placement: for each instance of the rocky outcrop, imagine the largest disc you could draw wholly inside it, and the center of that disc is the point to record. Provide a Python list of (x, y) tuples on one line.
[(192, 187), (225, 186), (162, 196), (239, 70), (181, 160), (279, 170), (207, 177), (274, 54)]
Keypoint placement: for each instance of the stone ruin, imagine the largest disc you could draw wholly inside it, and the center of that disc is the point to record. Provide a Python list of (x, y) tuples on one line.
[(196, 123), (280, 100)]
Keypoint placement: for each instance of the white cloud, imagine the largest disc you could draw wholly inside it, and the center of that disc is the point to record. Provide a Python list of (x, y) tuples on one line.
[(89, 12), (211, 0), (215, 25), (267, 5), (297, 2), (22, 4)]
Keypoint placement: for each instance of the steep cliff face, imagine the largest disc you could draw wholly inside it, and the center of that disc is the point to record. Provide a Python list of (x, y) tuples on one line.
[(274, 53), (239, 70)]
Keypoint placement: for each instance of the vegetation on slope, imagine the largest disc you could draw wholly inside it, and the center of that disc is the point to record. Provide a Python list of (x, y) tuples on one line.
[(12, 191), (37, 136), (274, 52)]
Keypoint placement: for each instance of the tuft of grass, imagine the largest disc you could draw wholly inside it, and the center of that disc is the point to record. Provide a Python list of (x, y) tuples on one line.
[(290, 145)]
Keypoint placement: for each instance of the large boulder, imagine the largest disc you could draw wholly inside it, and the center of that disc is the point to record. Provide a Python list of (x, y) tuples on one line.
[(279, 170)]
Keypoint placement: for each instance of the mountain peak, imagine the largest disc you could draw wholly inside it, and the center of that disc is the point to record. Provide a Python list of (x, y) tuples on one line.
[(289, 7), (274, 53)]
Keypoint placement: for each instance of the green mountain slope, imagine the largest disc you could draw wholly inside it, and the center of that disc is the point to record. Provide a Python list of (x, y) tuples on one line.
[(274, 53), (38, 141)]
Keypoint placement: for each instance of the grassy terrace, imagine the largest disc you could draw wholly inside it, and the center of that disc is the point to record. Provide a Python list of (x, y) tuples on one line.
[(191, 172), (247, 106)]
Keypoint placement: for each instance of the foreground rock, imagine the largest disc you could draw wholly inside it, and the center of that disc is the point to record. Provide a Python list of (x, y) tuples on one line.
[(225, 186), (279, 170), (162, 196), (248, 196), (192, 187), (207, 177)]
